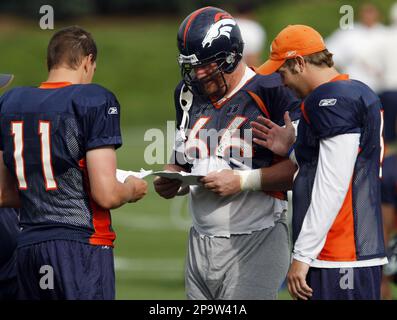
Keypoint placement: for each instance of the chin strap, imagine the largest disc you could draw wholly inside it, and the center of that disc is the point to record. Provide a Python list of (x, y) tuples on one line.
[(185, 101)]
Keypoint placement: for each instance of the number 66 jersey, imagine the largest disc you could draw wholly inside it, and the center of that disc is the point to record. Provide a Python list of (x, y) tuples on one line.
[(45, 133), (216, 136)]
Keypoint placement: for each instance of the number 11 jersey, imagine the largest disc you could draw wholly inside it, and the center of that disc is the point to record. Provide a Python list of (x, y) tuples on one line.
[(45, 133)]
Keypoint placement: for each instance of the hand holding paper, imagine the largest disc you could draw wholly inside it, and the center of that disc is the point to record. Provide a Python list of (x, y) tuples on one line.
[(185, 177), (121, 175)]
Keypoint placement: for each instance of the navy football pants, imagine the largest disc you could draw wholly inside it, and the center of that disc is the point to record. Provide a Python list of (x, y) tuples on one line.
[(63, 269), (345, 283), (8, 280)]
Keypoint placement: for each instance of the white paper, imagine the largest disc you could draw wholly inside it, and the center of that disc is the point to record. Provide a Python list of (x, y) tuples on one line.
[(121, 175), (186, 177)]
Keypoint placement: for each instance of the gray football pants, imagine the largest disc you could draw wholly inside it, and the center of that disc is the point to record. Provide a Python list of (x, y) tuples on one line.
[(247, 266)]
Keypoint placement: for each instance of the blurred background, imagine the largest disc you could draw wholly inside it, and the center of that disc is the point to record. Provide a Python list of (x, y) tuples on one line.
[(137, 55)]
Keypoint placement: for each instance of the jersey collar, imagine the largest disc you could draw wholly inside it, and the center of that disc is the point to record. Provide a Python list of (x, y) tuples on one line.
[(340, 77), (54, 85), (248, 75)]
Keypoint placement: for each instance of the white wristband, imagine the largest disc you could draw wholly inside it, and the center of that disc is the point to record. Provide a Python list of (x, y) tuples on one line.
[(250, 180)]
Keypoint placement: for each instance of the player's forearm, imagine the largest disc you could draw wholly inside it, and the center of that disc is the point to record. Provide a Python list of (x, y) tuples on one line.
[(126, 193), (278, 177), (115, 196)]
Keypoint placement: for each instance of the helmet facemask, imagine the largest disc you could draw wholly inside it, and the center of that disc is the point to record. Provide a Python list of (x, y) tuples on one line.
[(213, 86)]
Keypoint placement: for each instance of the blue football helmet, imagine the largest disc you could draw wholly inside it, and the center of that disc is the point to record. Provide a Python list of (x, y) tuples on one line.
[(206, 36)]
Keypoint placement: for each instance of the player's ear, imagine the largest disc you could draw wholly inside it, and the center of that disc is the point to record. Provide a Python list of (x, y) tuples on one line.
[(91, 59), (300, 64), (87, 62), (84, 64)]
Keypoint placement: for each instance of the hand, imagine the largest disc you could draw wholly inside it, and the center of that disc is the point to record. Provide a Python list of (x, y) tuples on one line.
[(223, 183), (139, 187), (273, 137), (166, 188), (296, 278)]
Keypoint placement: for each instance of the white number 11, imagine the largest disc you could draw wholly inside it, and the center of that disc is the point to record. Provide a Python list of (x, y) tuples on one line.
[(44, 132)]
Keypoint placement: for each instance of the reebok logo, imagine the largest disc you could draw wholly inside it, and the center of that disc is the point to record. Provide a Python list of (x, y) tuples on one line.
[(327, 102), (113, 110), (290, 54)]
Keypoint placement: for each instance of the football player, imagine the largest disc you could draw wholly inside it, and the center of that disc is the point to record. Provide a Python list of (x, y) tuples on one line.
[(58, 144), (238, 244), (8, 239), (338, 240)]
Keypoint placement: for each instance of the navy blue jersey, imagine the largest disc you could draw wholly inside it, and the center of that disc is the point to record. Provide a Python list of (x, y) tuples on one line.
[(218, 137), (389, 180), (336, 108), (261, 95), (45, 134)]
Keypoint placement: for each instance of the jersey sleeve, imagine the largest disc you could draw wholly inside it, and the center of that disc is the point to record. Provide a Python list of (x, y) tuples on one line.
[(102, 124), (330, 115)]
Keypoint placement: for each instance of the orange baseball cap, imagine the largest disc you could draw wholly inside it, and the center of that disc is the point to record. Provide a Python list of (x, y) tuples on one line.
[(294, 40)]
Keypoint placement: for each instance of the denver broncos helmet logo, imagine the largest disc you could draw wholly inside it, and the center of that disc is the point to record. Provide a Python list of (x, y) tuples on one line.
[(220, 28)]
